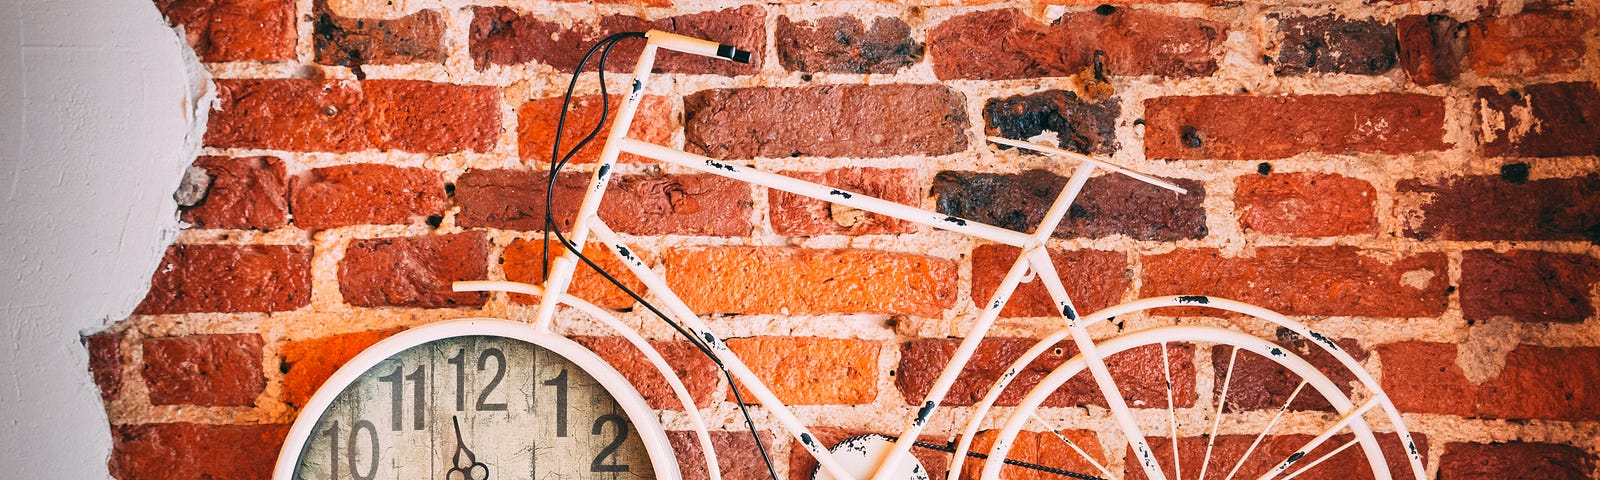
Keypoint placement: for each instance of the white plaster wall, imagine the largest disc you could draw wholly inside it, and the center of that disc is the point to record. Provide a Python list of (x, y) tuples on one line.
[(94, 136)]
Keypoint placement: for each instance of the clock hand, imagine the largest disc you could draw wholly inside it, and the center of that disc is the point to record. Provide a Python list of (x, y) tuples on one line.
[(471, 466)]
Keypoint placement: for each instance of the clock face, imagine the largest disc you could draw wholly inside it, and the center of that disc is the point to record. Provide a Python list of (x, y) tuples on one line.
[(473, 407)]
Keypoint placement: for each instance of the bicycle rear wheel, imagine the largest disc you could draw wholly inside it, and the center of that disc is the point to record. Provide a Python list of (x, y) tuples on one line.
[(1266, 413)]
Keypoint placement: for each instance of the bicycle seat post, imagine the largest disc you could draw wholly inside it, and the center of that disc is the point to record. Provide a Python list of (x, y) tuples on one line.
[(561, 271)]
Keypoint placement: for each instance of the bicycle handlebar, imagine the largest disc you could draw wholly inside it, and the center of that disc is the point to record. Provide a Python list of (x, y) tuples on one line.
[(1085, 158), (680, 43)]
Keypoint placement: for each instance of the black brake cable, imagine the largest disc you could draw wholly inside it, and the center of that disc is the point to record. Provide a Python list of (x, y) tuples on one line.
[(551, 228)]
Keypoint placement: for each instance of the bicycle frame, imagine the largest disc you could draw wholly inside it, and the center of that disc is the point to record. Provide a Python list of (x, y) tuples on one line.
[(1033, 262)]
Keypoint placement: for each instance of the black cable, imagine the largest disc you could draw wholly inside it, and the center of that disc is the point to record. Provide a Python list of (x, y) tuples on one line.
[(1019, 463), (551, 228)]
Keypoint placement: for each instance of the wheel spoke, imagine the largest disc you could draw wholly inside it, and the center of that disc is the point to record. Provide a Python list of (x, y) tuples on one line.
[(1321, 459), (1264, 431), (1222, 401), (1172, 414), (1057, 432), (1322, 437)]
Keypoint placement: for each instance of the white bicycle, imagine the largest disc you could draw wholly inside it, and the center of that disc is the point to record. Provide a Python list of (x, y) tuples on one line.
[(1289, 419)]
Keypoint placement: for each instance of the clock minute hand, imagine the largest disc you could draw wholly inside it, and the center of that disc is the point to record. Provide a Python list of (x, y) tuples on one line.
[(471, 466)]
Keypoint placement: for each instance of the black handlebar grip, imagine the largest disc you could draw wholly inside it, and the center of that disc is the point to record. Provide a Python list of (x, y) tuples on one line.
[(730, 53)]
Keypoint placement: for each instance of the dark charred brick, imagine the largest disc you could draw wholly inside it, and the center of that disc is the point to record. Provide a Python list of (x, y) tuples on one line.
[(1487, 208), (1516, 173), (1138, 371), (1544, 120), (347, 116), (646, 204), (365, 193), (246, 192), (1243, 127), (235, 30), (193, 450), (1007, 44), (500, 36), (1479, 461), (1080, 126), (798, 216), (205, 370), (1096, 279), (829, 121), (1307, 280), (309, 363), (1528, 285), (1258, 383), (230, 279), (105, 363), (414, 271), (353, 42), (1330, 44), (1431, 48), (844, 45), (1108, 205)]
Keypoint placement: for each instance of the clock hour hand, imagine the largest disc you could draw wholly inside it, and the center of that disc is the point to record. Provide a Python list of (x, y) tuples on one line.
[(471, 467)]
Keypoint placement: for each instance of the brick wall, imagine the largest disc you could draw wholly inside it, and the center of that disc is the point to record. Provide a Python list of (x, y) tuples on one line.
[(1418, 178)]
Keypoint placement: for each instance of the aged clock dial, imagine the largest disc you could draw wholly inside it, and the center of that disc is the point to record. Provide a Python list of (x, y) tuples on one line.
[(476, 400)]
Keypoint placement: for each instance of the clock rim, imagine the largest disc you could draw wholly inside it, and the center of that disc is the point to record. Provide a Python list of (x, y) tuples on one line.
[(644, 419)]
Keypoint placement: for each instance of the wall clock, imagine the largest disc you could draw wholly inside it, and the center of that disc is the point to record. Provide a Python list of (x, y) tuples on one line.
[(473, 400)]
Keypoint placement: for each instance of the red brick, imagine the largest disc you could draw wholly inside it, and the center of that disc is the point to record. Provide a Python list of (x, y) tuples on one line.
[(500, 36), (353, 42), (1546, 383), (758, 280), (1229, 127), (105, 363), (1096, 279), (230, 278), (1422, 377), (1139, 373), (797, 216), (1431, 48), (802, 465), (1333, 44), (1007, 44), (737, 455), (1108, 205), (205, 370), (246, 192), (1307, 280), (826, 121), (645, 204), (1552, 383), (1498, 208), (537, 120), (1528, 285), (162, 451), (235, 30), (844, 44), (365, 193), (1038, 448), (309, 363), (523, 261), (1258, 383), (1469, 461), (1305, 204), (1080, 125), (414, 271), (697, 371), (348, 116), (1522, 45), (1544, 120), (812, 371), (1350, 463)]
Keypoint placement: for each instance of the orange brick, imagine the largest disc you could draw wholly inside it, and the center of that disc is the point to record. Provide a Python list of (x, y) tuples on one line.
[(524, 262), (757, 280), (1095, 279), (537, 119), (1305, 204), (697, 371), (812, 371), (309, 363), (1039, 448)]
